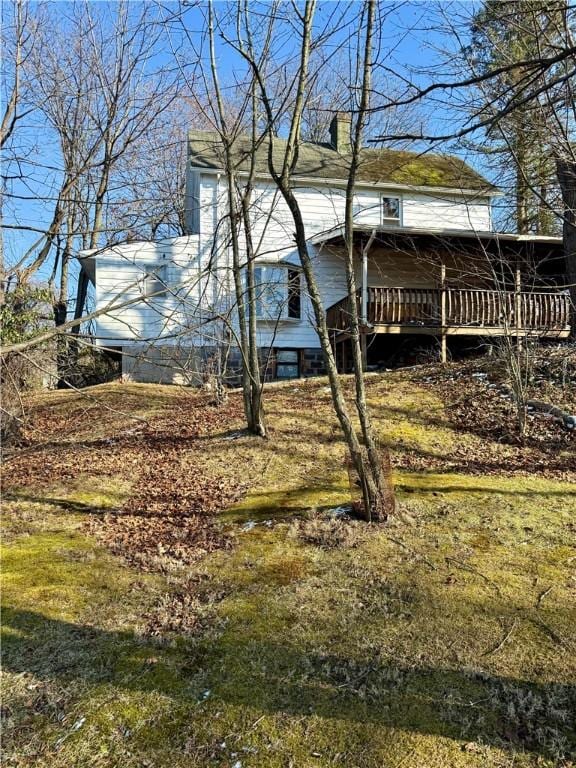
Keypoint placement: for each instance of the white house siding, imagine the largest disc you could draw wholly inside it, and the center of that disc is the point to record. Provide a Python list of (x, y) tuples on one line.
[(119, 278), (119, 271), (323, 208), (435, 211)]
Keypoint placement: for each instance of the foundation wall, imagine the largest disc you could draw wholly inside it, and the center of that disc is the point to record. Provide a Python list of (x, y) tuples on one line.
[(190, 366)]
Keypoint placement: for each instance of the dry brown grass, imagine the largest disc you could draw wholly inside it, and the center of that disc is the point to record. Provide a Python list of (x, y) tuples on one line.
[(442, 639)]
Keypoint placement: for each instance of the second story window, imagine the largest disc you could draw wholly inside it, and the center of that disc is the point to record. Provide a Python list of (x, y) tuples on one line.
[(391, 210)]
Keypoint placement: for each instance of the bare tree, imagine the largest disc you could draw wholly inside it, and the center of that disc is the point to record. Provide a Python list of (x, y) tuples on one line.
[(539, 83), (239, 220), (376, 503), (378, 493), (93, 85), (151, 179), (16, 41)]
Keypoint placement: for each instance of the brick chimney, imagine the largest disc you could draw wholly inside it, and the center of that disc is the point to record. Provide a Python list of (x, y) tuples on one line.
[(340, 133)]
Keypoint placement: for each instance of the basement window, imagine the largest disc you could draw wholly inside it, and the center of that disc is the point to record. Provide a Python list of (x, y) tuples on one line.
[(391, 210), (287, 364)]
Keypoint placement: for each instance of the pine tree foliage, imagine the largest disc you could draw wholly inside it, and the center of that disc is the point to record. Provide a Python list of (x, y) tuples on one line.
[(518, 146)]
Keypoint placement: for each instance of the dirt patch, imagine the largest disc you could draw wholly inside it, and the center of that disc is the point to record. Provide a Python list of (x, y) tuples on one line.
[(329, 532)]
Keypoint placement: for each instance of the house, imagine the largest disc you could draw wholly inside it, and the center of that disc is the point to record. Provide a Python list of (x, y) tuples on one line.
[(429, 264)]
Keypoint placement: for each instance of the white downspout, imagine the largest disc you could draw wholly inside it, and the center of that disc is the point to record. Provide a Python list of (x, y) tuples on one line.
[(364, 281), (215, 277)]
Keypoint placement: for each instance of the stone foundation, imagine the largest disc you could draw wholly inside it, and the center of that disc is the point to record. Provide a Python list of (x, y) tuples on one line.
[(190, 366), (312, 363)]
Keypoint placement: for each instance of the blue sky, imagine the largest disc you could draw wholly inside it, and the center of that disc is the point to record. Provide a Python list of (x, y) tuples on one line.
[(417, 51)]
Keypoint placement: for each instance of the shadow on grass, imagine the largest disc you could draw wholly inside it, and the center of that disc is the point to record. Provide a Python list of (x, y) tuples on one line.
[(437, 487), (277, 679), (486, 433), (65, 505), (285, 504)]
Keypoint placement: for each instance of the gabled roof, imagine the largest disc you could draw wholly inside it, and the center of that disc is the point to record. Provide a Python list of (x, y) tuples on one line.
[(323, 162)]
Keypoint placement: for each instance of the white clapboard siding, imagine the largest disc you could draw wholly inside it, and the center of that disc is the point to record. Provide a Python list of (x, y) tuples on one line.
[(437, 212), (120, 273), (181, 316)]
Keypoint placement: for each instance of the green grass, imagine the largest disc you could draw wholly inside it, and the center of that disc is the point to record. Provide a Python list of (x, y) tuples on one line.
[(443, 639)]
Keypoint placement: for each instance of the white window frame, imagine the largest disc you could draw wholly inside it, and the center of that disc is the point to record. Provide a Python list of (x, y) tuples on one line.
[(388, 219), (281, 289), (155, 278)]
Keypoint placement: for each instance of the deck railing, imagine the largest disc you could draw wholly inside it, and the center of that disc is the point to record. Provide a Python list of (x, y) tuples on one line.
[(534, 311)]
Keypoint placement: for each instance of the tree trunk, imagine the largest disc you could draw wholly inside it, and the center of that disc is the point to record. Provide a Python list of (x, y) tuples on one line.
[(283, 181), (522, 190), (338, 399), (378, 500), (257, 423), (62, 357)]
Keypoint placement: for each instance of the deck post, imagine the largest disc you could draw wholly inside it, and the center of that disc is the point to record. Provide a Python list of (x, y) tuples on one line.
[(518, 307), (364, 288), (443, 341), (364, 301)]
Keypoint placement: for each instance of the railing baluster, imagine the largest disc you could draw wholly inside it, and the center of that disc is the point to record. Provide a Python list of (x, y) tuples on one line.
[(524, 315), (537, 310), (369, 305)]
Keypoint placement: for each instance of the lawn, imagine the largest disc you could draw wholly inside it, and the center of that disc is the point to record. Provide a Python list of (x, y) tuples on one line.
[(176, 593)]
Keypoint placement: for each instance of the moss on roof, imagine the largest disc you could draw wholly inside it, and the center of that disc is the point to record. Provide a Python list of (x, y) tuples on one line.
[(321, 161)]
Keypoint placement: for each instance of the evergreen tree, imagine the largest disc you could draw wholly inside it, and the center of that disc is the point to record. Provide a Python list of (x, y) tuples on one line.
[(518, 144)]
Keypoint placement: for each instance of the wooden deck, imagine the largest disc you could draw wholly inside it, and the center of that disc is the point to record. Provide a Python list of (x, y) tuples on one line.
[(456, 311)]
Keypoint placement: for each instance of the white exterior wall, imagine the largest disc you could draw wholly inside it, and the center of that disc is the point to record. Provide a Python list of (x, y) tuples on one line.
[(323, 208), (119, 271), (120, 274)]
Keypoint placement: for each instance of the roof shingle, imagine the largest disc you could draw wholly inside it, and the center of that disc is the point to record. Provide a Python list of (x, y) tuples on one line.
[(321, 161)]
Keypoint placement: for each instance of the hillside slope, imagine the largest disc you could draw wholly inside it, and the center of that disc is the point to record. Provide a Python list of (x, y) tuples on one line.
[(179, 594)]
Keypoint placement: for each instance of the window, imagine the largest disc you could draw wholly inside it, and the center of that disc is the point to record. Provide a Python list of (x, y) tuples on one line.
[(278, 292), (287, 364), (391, 210), (294, 299), (155, 281)]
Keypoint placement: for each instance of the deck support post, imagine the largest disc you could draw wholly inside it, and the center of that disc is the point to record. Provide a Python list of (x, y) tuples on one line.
[(364, 301), (518, 307), (443, 340), (364, 288), (364, 350)]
